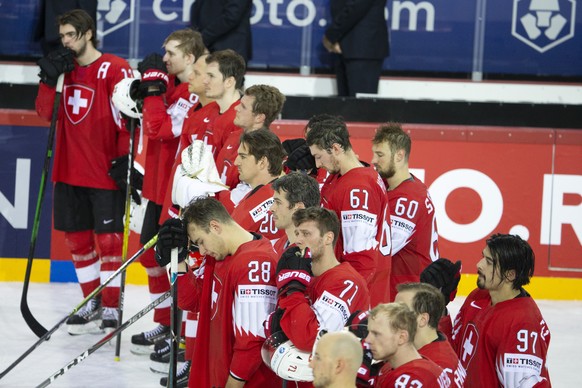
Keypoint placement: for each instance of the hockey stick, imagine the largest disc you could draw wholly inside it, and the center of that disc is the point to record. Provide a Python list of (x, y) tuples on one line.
[(46, 336), (81, 357), (38, 329), (132, 124), (174, 319)]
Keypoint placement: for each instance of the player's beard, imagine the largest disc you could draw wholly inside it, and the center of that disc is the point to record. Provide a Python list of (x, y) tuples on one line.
[(480, 281), (82, 50), (389, 171)]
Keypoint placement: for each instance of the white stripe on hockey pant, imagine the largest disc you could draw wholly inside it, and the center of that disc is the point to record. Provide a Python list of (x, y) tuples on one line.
[(89, 273), (111, 259), (165, 304), (86, 257), (116, 282), (155, 272), (191, 328)]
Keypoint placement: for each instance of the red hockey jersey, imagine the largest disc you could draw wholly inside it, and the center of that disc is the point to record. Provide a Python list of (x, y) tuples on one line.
[(162, 122), (225, 159), (90, 133), (414, 374), (441, 353), (414, 232), (505, 345), (253, 213), (359, 199), (236, 296), (330, 299)]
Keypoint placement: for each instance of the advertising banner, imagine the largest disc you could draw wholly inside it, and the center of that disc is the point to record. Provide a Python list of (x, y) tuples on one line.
[(520, 37)]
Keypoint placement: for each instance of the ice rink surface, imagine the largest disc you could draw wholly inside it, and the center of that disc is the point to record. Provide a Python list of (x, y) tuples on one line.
[(50, 303)]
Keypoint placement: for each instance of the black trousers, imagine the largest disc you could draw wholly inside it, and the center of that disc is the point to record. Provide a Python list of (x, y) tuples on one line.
[(357, 76)]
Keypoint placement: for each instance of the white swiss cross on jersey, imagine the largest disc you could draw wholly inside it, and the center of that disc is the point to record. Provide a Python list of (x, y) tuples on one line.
[(78, 100)]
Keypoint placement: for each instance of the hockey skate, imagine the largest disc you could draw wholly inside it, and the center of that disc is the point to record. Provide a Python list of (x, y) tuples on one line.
[(142, 343), (181, 376), (110, 319), (160, 358), (87, 320)]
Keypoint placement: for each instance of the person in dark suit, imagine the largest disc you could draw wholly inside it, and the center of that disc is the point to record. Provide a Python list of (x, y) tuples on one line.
[(359, 35), (224, 24)]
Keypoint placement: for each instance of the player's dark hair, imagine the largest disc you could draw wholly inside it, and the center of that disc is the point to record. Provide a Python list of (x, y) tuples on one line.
[(396, 138), (298, 187), (82, 22), (427, 300), (317, 119), (400, 317), (190, 42), (268, 101), (512, 253), (202, 210), (230, 64), (326, 133), (325, 219), (263, 143)]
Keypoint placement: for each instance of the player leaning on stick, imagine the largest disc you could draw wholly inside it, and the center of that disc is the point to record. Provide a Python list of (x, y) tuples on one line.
[(88, 206)]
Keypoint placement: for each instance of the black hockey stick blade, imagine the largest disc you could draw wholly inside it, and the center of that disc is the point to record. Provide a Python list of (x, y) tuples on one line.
[(81, 357), (38, 329), (45, 337)]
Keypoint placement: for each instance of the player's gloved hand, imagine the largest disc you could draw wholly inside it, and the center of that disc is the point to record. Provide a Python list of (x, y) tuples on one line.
[(273, 322), (302, 160), (118, 172), (444, 275), (368, 372), (291, 145), (293, 272), (54, 64), (172, 235), (154, 76), (358, 323)]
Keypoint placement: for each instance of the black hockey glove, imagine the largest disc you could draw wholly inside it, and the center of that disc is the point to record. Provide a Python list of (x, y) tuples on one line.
[(154, 76), (54, 64), (273, 322), (291, 145), (293, 272), (358, 323), (118, 172), (172, 235), (444, 275), (368, 372), (302, 160)]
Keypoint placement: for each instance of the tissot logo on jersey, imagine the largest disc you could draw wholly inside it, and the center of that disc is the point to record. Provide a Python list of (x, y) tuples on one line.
[(259, 212), (402, 224), (329, 303), (354, 216), (252, 293), (515, 362), (78, 100)]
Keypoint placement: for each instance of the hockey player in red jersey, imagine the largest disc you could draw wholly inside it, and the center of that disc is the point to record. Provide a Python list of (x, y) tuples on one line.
[(291, 192), (357, 195), (233, 295), (258, 108), (325, 302), (499, 333), (88, 206), (391, 332), (428, 304), (412, 213), (259, 163), (167, 101)]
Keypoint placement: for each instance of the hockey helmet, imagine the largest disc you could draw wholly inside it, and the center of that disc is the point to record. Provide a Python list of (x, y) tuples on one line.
[(125, 97), (285, 359)]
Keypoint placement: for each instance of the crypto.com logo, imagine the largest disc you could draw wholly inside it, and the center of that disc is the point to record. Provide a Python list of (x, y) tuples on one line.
[(113, 14), (543, 24)]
